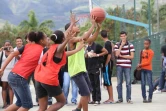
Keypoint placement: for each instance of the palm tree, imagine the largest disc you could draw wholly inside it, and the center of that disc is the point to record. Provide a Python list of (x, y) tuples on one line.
[(8, 32), (32, 24)]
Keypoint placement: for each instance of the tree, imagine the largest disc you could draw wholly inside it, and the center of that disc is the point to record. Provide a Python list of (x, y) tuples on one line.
[(32, 24), (144, 12)]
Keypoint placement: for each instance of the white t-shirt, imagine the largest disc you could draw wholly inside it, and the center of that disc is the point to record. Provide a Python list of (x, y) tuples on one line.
[(15, 49), (8, 67)]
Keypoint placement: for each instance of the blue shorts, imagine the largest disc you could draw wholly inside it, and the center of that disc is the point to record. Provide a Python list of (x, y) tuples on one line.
[(107, 74), (21, 90)]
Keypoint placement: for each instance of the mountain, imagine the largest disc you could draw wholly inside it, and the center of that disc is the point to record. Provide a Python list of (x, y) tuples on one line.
[(56, 10), (16, 11)]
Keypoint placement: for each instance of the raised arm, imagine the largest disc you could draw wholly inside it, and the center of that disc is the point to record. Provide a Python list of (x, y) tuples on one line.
[(62, 46), (86, 35), (94, 36), (73, 21), (68, 34), (117, 51)]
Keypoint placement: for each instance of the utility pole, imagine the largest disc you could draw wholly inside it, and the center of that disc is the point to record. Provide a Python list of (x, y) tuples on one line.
[(134, 19), (158, 20), (124, 16), (90, 5), (115, 37), (149, 17)]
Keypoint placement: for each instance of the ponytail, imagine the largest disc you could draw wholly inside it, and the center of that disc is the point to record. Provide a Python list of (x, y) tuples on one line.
[(35, 36), (57, 37)]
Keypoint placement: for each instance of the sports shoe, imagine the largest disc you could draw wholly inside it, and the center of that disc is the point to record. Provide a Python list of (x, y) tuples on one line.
[(76, 109), (97, 103), (92, 102), (129, 101), (163, 90), (149, 100), (50, 103), (119, 101), (157, 92), (74, 103), (145, 101), (71, 104)]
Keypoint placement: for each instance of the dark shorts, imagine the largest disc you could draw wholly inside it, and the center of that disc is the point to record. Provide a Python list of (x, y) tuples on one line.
[(43, 90), (107, 74), (83, 83)]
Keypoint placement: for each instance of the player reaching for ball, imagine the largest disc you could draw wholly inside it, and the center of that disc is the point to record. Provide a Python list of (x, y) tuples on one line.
[(23, 69), (46, 73), (76, 63)]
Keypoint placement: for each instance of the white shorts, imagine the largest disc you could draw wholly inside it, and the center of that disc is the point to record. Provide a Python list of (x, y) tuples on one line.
[(5, 76)]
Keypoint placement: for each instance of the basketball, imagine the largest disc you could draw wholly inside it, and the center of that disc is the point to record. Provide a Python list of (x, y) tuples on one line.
[(99, 13)]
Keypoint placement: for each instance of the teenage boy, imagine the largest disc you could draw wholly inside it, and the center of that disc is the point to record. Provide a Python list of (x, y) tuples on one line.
[(19, 43), (124, 52), (94, 55), (76, 63), (107, 67), (146, 70)]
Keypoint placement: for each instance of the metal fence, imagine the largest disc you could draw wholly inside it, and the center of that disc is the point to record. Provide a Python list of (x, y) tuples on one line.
[(157, 41)]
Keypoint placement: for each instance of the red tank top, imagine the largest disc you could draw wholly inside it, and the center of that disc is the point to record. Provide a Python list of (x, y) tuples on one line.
[(28, 61), (48, 74)]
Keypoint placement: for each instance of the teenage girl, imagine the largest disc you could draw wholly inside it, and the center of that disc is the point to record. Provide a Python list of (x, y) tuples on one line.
[(23, 69), (46, 74)]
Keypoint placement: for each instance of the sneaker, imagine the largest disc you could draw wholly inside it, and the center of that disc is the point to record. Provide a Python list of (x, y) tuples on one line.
[(149, 100), (73, 103), (97, 103), (129, 101), (50, 103), (119, 101), (134, 82), (163, 90), (92, 102), (157, 92), (76, 109), (145, 101)]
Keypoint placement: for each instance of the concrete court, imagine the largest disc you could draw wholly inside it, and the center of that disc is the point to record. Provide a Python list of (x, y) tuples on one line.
[(159, 101)]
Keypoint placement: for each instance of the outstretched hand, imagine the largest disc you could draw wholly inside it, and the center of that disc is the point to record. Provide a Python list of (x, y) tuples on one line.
[(73, 18), (98, 25), (69, 35), (93, 19)]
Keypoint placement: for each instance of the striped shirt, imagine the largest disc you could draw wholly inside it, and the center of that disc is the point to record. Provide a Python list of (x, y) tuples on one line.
[(125, 51)]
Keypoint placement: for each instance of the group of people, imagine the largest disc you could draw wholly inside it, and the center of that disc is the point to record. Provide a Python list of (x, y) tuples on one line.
[(52, 63)]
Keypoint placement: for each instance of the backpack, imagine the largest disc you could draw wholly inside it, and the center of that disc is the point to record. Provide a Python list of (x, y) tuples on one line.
[(137, 73), (113, 52), (1, 65), (1, 59)]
